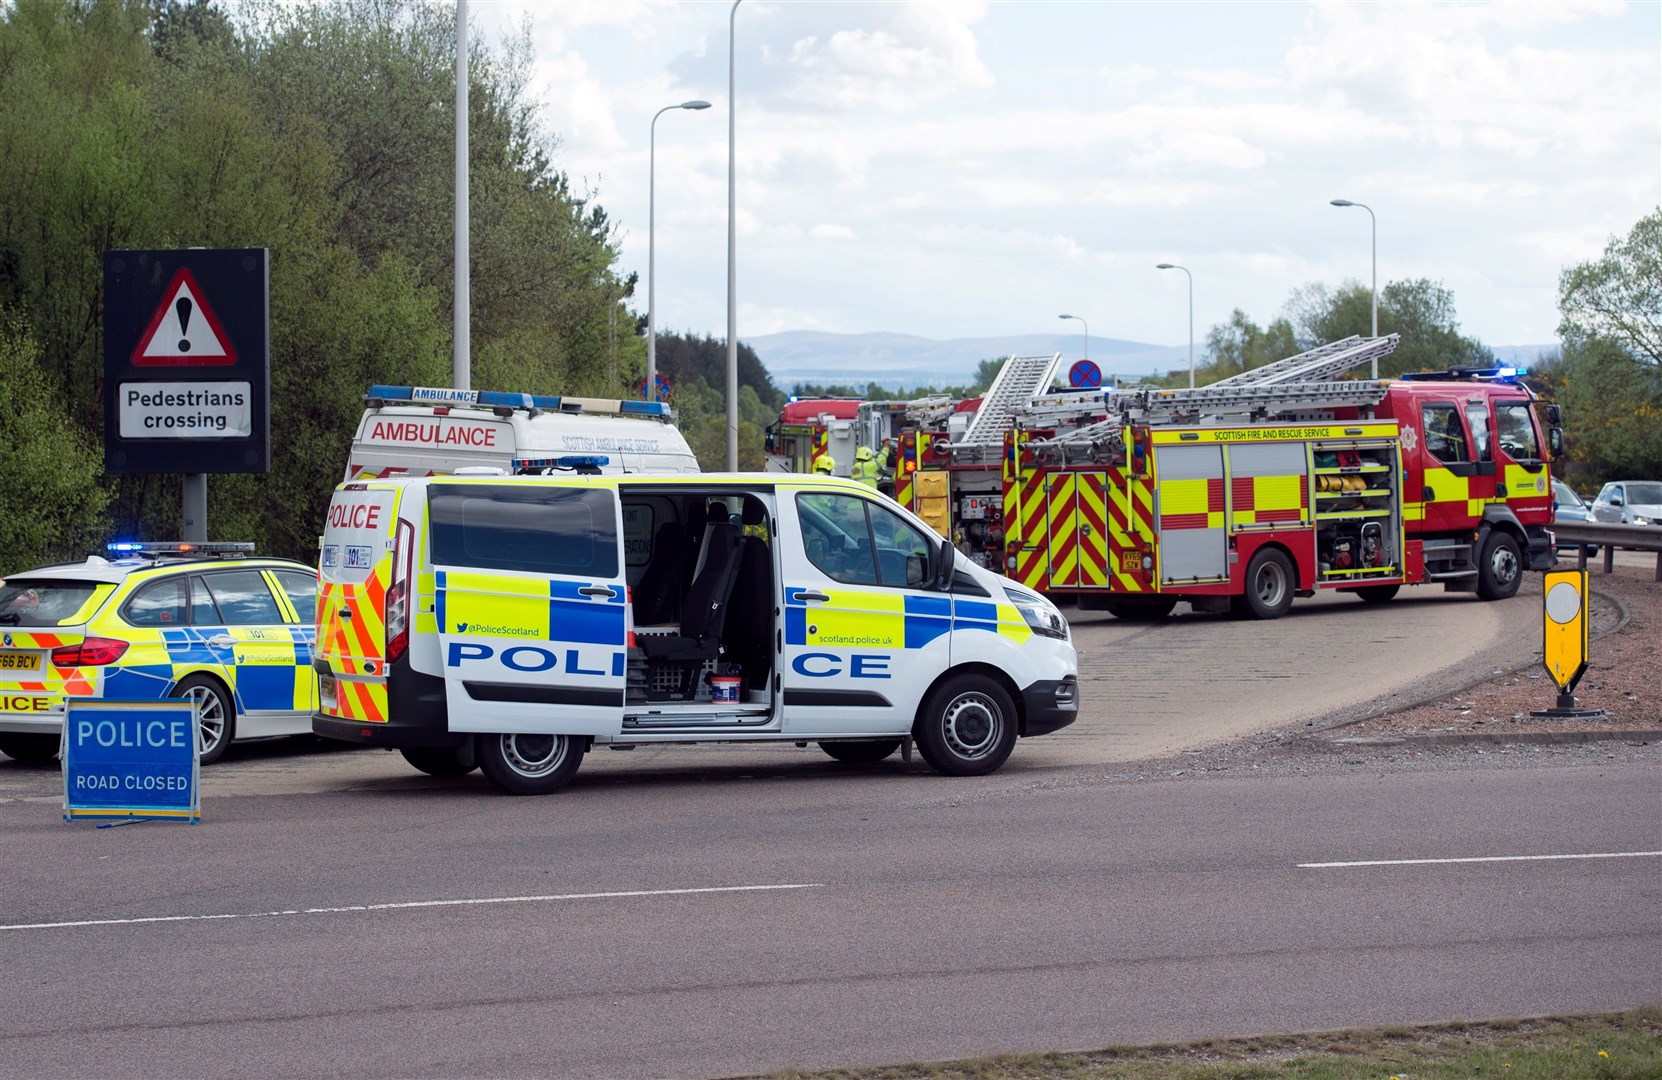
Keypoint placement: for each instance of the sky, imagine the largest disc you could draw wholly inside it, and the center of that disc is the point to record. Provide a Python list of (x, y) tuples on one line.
[(966, 169)]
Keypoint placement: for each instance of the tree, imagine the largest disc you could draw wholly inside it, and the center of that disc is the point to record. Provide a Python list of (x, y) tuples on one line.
[(1612, 411), (1619, 297), (1420, 310), (1240, 345)]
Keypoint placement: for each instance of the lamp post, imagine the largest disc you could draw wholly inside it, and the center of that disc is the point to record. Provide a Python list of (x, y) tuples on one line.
[(1373, 232), (1087, 327), (652, 245), (1191, 277), (732, 246), (461, 344)]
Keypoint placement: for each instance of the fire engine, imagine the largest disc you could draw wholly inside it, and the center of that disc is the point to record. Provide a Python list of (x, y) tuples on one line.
[(949, 460), (809, 427), (1286, 480)]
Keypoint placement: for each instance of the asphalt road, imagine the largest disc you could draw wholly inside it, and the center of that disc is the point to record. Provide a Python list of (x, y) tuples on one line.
[(855, 915)]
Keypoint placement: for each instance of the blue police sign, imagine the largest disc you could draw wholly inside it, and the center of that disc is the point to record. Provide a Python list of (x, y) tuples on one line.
[(131, 759)]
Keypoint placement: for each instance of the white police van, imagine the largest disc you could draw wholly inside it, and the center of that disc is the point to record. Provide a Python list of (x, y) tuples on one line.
[(511, 623), (422, 430)]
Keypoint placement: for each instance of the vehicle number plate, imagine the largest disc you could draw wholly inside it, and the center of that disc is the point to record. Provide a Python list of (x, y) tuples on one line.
[(19, 661)]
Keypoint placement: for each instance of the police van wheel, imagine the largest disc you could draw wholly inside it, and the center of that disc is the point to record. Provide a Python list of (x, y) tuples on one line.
[(437, 760), (967, 726), (26, 747), (861, 753), (1499, 568), (530, 764), (215, 713), (1269, 584)]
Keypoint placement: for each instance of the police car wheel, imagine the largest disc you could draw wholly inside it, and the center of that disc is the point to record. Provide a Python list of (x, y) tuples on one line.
[(530, 764), (1269, 584), (863, 752), (967, 726), (437, 760), (215, 713), (1499, 568), (26, 747)]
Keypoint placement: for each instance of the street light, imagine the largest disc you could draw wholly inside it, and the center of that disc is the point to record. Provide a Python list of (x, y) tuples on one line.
[(1373, 230), (1087, 332), (1191, 277), (732, 246), (652, 245)]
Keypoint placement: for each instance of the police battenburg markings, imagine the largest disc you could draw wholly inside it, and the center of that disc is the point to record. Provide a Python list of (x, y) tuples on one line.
[(133, 760)]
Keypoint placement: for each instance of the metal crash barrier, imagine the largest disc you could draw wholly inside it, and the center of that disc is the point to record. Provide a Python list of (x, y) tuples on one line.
[(1609, 536)]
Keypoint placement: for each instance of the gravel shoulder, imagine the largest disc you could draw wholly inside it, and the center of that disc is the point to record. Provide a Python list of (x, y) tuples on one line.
[(1489, 723)]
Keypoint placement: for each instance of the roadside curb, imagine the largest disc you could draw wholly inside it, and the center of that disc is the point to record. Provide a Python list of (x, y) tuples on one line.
[(1638, 735), (1622, 619)]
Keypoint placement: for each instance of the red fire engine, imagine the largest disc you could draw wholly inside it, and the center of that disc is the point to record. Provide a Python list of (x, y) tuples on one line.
[(1280, 482)]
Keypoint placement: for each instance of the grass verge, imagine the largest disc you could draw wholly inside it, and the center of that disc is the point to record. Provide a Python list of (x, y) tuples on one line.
[(1607, 1046)]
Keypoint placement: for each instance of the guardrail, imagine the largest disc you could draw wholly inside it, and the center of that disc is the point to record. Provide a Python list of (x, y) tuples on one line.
[(1609, 536)]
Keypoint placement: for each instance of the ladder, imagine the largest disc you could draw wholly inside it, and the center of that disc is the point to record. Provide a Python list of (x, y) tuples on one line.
[(1254, 401), (1325, 362), (1064, 407), (925, 411), (1018, 381)]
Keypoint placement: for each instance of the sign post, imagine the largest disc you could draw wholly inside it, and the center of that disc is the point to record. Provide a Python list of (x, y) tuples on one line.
[(1564, 638), (132, 760)]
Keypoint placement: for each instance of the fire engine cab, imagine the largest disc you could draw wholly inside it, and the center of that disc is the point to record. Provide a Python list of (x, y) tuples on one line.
[(1281, 482)]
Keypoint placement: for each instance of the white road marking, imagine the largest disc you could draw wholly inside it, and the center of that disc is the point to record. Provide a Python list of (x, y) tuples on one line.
[(405, 904), (1481, 859)]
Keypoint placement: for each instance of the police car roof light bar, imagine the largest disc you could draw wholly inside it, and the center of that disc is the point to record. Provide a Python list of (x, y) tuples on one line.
[(381, 394), (180, 547)]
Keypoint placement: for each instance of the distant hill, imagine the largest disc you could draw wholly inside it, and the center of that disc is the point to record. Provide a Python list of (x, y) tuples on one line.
[(906, 361)]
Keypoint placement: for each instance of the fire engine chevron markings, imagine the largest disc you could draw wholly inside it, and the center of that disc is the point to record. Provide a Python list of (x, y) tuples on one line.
[(408, 904), (1477, 859)]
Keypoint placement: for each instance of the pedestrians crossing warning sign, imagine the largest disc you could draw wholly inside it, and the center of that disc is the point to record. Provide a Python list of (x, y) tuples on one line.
[(184, 331)]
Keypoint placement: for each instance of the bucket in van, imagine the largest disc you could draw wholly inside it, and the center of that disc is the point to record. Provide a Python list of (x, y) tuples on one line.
[(724, 689)]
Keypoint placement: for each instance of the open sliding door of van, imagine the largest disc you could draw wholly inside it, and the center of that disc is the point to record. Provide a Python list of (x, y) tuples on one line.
[(531, 606)]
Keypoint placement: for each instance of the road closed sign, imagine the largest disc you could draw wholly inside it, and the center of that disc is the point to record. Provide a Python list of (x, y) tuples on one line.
[(131, 760)]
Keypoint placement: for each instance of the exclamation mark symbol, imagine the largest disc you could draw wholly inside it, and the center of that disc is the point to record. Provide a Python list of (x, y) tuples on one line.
[(182, 306)]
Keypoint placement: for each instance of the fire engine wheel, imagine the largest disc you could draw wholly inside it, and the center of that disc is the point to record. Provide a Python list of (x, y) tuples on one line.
[(216, 714), (1377, 594), (23, 746), (1140, 608), (863, 752), (437, 760), (1499, 568), (967, 726), (530, 764), (1269, 584)]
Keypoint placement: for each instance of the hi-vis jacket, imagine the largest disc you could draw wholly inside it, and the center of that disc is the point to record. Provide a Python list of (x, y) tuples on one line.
[(457, 612)]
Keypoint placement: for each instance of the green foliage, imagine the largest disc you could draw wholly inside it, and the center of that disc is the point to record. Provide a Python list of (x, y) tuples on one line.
[(325, 133), (1420, 310), (1240, 345), (51, 505), (1619, 297), (1612, 406), (697, 370)]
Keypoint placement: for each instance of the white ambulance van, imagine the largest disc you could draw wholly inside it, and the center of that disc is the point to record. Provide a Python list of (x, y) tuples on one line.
[(512, 623), (421, 430)]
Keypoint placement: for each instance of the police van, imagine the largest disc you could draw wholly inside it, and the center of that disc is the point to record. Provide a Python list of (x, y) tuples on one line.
[(512, 623), (423, 430)]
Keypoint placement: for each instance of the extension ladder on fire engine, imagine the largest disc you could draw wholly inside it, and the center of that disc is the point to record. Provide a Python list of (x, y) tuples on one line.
[(1288, 401), (1018, 380), (1324, 362)]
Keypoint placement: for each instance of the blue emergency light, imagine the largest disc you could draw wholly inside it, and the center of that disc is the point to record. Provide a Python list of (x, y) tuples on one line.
[(382, 394), (582, 464), (1488, 374)]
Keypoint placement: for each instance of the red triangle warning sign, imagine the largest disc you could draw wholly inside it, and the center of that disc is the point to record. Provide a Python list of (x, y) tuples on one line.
[(184, 332)]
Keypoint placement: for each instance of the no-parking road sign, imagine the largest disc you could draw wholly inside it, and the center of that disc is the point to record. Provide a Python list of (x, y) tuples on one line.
[(1085, 375)]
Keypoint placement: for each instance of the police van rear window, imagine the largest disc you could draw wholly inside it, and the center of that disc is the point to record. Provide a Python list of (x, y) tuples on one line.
[(536, 530)]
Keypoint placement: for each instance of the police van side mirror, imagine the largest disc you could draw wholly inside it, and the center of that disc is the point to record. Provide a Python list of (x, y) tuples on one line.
[(946, 558)]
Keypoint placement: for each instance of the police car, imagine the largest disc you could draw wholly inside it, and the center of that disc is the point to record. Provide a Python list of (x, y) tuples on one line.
[(185, 620), (511, 623)]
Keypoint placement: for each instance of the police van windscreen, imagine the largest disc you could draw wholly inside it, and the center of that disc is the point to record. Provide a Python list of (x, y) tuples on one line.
[(535, 530)]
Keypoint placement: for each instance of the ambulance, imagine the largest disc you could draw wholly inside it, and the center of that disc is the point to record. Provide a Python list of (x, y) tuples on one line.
[(512, 623), (423, 430)]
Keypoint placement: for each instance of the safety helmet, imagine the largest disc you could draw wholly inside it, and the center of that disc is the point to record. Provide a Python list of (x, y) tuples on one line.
[(863, 454), (825, 463)]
